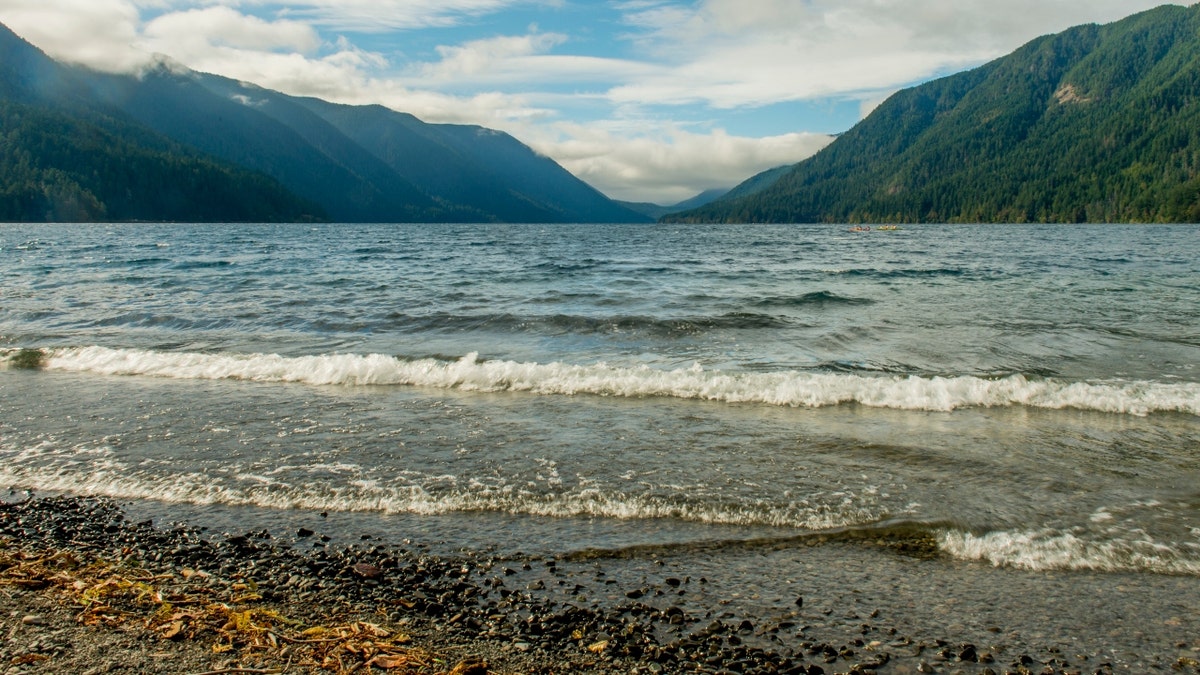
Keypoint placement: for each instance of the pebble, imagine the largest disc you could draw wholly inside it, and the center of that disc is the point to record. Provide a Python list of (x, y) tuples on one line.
[(476, 598)]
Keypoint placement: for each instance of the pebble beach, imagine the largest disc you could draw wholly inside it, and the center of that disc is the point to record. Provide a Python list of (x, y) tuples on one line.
[(86, 590)]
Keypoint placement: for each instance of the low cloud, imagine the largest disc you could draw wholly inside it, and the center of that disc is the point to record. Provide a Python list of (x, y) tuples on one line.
[(674, 164), (96, 33)]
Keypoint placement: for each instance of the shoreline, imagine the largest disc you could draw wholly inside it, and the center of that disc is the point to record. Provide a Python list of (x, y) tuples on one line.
[(84, 589)]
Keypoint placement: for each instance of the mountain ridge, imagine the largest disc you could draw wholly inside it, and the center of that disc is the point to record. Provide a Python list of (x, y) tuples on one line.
[(292, 148), (1094, 124)]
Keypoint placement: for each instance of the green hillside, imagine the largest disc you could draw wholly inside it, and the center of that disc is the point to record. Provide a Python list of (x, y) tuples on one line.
[(62, 159), (173, 144), (1096, 124), (67, 168)]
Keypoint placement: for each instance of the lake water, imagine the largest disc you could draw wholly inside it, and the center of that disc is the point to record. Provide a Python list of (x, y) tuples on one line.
[(1029, 397)]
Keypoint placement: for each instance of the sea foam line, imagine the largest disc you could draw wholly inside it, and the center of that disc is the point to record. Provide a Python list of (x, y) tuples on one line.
[(1058, 550), (110, 478), (792, 388)]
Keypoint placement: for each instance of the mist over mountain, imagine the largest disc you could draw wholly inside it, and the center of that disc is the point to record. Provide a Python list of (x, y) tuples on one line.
[(1095, 124), (173, 144)]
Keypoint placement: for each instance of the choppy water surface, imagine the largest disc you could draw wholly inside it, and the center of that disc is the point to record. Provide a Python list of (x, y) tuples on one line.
[(1028, 395)]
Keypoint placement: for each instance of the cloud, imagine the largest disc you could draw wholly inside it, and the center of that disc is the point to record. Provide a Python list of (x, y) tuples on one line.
[(372, 16), (96, 33), (672, 164), (196, 32), (740, 53)]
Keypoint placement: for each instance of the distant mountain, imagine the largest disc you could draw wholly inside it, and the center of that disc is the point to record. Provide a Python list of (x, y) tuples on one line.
[(658, 211), (485, 171), (64, 160), (344, 163), (1095, 124)]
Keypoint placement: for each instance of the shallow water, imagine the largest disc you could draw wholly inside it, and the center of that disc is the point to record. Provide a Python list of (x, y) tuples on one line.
[(1029, 395)]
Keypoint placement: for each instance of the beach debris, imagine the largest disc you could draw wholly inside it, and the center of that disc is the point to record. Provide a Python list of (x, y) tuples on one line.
[(195, 606)]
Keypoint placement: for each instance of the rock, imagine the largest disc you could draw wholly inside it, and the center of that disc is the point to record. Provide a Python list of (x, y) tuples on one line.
[(33, 620), (304, 532), (366, 570)]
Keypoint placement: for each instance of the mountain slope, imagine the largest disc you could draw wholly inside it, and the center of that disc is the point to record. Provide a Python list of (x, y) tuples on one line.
[(657, 210), (63, 160), (355, 164), (481, 169), (1096, 124)]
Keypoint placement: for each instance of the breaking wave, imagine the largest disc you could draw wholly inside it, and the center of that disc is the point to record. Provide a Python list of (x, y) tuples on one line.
[(790, 388), (1057, 550)]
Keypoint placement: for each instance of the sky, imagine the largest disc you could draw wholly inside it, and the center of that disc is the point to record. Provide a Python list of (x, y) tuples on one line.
[(646, 100)]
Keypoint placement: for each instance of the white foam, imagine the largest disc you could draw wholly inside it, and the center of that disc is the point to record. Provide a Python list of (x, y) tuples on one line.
[(1057, 550), (792, 388), (371, 496), (50, 467)]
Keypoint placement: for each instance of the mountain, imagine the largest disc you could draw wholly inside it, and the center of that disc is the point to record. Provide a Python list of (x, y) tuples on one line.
[(71, 162), (346, 163), (658, 211), (1095, 124), (484, 170)]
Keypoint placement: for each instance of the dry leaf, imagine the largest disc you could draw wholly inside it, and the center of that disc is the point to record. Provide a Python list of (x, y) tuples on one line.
[(388, 661)]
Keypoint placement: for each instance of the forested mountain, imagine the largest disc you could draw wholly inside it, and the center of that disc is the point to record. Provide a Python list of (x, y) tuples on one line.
[(157, 146), (64, 160), (1095, 124)]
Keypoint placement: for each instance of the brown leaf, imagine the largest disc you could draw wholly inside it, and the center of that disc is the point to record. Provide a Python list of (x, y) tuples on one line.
[(389, 661), (173, 631)]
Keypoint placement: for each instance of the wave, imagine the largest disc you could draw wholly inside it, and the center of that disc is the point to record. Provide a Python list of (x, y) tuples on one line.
[(851, 520), (815, 299), (1050, 549), (568, 323), (789, 388), (96, 471)]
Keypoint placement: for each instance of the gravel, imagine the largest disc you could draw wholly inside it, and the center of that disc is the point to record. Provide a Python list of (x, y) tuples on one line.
[(470, 614)]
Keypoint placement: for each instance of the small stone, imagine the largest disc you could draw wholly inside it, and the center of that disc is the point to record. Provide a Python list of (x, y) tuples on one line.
[(365, 570), (304, 532), (33, 620)]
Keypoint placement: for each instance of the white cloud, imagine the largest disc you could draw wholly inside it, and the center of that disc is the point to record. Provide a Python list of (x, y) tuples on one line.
[(672, 164), (737, 53), (96, 33), (368, 16), (192, 33)]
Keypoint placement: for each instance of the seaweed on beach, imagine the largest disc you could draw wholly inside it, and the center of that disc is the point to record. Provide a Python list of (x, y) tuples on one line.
[(193, 605)]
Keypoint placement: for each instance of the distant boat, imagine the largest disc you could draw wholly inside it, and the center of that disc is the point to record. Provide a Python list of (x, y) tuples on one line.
[(888, 228), (860, 228)]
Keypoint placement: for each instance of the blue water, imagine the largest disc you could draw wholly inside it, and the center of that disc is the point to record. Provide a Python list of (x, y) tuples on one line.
[(1030, 395)]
